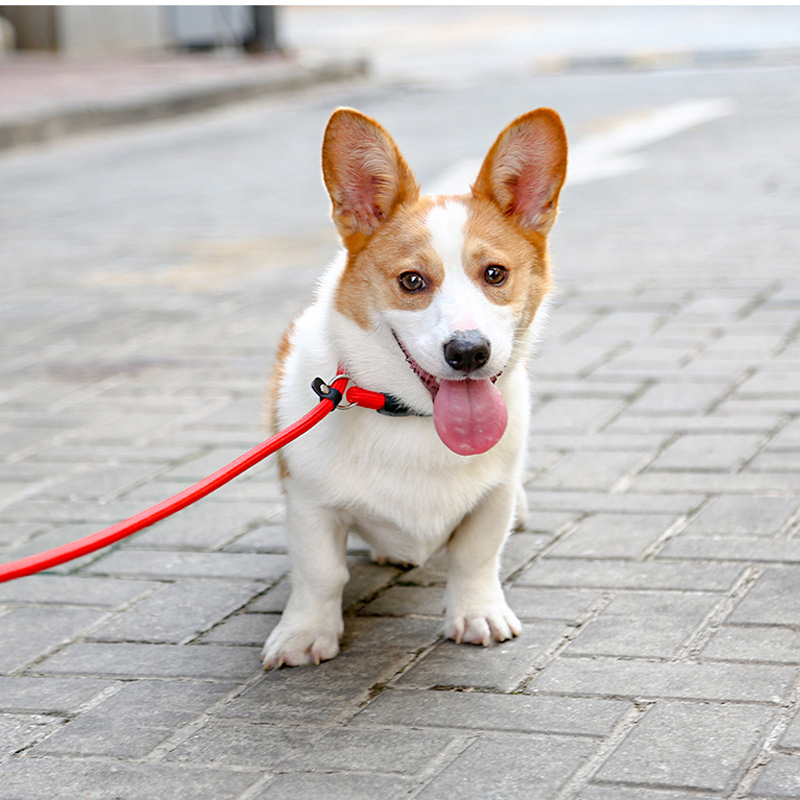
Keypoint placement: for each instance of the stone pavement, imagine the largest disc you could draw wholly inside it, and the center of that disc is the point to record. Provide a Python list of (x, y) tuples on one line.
[(658, 578)]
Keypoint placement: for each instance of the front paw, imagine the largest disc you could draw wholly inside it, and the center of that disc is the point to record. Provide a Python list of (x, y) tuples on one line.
[(493, 623), (297, 646)]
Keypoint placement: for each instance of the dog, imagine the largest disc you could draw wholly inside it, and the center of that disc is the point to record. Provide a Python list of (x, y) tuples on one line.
[(434, 301)]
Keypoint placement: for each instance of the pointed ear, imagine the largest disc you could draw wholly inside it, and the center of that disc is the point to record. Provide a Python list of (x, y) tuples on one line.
[(364, 173), (525, 169)]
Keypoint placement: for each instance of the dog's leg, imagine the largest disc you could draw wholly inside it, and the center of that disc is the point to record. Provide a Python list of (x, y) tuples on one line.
[(520, 509), (312, 624), (476, 608)]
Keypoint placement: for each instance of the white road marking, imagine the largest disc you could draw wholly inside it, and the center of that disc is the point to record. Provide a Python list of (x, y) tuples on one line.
[(610, 153)]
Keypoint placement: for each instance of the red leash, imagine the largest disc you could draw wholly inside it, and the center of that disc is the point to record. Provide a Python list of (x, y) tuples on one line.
[(330, 396)]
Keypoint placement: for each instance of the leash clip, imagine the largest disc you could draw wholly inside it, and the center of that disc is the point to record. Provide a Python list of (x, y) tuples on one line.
[(327, 391)]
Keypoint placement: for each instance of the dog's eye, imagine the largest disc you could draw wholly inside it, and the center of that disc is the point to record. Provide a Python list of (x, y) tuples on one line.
[(495, 275), (412, 282)]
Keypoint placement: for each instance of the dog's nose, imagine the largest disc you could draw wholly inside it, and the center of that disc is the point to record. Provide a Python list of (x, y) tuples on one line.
[(467, 351)]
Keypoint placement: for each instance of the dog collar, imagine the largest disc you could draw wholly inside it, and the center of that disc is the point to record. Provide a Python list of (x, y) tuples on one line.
[(386, 404)]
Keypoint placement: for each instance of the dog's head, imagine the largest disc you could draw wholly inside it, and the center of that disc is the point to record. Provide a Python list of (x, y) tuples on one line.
[(446, 286)]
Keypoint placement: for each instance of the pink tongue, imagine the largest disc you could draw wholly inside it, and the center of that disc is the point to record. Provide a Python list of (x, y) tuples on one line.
[(470, 416)]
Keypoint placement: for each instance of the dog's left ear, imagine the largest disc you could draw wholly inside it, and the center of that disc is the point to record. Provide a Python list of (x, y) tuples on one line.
[(365, 174), (525, 169)]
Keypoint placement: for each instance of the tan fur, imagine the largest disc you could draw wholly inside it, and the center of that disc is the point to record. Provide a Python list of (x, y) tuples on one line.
[(360, 206), (371, 276), (271, 398), (532, 202)]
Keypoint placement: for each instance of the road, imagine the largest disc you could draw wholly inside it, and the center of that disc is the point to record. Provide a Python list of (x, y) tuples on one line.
[(147, 275)]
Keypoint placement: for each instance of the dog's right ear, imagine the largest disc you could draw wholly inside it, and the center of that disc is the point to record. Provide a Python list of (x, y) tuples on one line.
[(365, 174)]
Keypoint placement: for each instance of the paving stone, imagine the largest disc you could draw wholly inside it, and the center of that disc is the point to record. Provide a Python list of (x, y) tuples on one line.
[(780, 778), (570, 360), (640, 442), (771, 384), (653, 575), (758, 606), (48, 695), (476, 710), (47, 589), (643, 624), (181, 564), (56, 536), (788, 437), (62, 779), (639, 793), (269, 538), (708, 452), (580, 416), (29, 633), (733, 548), (133, 721), (598, 473), (411, 635), (366, 579), (20, 731), (612, 536), (102, 483), (324, 694), (274, 600), (206, 526), (153, 661), (14, 534), (245, 629), (612, 677), (530, 602), (761, 422), (244, 744), (178, 612), (493, 767), (770, 645), (694, 745), (500, 667), (674, 398), (714, 483), (779, 461), (336, 786), (657, 502), (744, 516), (791, 737), (401, 601)]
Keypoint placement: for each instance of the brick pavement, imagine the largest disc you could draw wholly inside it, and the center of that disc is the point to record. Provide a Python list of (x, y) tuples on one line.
[(658, 578)]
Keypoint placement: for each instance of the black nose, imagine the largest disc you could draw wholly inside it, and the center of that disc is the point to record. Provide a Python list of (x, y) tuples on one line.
[(467, 351)]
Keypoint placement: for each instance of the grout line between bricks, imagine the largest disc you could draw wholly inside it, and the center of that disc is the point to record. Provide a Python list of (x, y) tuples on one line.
[(442, 761), (758, 763), (581, 777), (715, 618), (676, 527), (569, 633)]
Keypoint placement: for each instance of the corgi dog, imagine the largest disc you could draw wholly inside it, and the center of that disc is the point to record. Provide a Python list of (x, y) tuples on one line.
[(432, 301)]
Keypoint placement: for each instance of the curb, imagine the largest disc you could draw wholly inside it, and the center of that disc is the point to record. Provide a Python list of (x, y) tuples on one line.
[(83, 117), (646, 61)]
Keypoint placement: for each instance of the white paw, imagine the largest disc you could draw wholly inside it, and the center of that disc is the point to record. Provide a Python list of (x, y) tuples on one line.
[(297, 646), (494, 623)]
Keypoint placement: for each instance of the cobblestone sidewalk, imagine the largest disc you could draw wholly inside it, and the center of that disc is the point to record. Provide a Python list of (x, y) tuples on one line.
[(658, 580)]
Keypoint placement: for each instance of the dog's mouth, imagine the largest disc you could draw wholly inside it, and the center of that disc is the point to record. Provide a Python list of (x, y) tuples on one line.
[(470, 415), (430, 382)]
